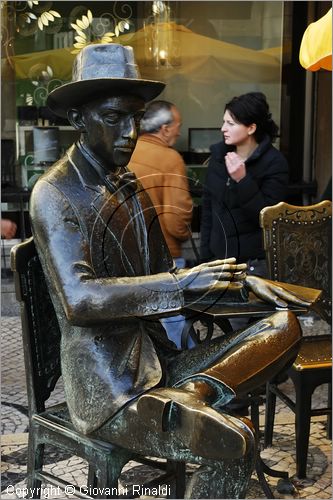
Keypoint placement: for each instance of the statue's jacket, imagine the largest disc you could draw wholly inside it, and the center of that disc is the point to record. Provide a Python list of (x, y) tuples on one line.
[(100, 249)]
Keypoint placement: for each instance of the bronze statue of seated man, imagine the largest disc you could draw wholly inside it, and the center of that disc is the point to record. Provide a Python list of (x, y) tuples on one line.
[(111, 277)]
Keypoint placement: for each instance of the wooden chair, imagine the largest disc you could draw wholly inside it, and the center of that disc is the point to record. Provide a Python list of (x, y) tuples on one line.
[(52, 425), (297, 242)]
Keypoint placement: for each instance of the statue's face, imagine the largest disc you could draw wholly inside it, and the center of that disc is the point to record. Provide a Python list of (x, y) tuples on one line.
[(111, 128)]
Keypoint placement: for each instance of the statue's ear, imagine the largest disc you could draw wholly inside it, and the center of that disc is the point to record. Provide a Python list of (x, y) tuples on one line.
[(76, 119)]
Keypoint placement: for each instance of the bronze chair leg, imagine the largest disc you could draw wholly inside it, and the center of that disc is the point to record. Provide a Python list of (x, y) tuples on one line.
[(269, 415), (303, 397), (329, 416), (178, 469), (35, 464), (108, 470), (260, 466)]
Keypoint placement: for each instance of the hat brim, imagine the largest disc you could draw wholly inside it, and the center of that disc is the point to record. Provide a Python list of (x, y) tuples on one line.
[(76, 93)]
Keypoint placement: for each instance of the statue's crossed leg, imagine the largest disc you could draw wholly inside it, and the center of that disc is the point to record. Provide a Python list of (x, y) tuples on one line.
[(187, 422)]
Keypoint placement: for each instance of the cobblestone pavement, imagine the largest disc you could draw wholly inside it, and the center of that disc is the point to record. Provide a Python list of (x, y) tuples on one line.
[(14, 437)]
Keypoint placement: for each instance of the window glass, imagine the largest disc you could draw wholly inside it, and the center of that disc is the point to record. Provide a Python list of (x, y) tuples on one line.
[(206, 52)]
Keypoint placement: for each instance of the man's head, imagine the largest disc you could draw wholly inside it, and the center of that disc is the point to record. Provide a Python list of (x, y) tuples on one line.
[(109, 127), (163, 119), (105, 100)]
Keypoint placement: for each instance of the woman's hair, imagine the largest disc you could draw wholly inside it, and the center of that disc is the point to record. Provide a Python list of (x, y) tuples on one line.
[(253, 108)]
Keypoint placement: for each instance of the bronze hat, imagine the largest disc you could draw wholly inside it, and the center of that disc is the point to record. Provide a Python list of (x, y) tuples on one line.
[(102, 68)]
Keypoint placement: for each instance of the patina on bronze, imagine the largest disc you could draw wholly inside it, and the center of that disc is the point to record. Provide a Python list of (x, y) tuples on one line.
[(111, 277)]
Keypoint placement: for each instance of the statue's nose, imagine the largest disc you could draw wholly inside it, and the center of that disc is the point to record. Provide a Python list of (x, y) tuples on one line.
[(130, 129)]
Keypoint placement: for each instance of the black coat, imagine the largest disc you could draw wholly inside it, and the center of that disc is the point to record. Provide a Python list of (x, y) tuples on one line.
[(230, 210)]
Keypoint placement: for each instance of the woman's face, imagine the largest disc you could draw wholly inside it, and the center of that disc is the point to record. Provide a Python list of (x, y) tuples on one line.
[(235, 133)]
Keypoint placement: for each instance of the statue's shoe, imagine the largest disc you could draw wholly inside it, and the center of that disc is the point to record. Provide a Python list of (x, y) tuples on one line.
[(205, 431)]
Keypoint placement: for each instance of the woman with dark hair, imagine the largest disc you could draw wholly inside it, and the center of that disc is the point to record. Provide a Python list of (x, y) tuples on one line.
[(245, 174)]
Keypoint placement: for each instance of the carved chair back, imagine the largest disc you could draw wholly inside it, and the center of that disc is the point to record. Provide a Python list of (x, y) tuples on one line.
[(298, 244), (41, 351)]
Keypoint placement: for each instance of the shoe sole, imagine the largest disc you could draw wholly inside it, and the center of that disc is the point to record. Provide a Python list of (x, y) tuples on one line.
[(205, 431)]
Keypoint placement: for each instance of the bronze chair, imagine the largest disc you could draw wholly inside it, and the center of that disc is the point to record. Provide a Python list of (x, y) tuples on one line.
[(52, 425), (297, 242)]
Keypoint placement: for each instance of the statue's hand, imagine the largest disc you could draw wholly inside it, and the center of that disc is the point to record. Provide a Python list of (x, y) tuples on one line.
[(271, 292), (216, 275)]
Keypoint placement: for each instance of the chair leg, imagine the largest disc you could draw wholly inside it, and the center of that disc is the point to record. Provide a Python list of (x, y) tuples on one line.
[(179, 471), (269, 416), (303, 396), (260, 466), (92, 479), (108, 470), (329, 417), (255, 402), (35, 463)]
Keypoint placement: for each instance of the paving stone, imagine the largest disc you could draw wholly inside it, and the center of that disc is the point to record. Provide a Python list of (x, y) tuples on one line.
[(324, 494)]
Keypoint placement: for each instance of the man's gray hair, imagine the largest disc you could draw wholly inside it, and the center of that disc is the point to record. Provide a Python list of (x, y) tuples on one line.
[(157, 113)]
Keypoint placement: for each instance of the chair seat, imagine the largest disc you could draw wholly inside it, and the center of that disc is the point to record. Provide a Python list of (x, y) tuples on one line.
[(57, 414), (56, 421), (315, 353)]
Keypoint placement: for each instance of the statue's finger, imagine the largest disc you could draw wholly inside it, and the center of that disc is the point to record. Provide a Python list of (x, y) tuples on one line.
[(223, 275), (242, 267), (272, 297), (279, 302), (290, 297), (239, 276), (235, 268), (219, 262), (221, 285)]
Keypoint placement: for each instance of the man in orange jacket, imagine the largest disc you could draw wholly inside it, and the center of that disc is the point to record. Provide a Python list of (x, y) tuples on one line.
[(162, 172)]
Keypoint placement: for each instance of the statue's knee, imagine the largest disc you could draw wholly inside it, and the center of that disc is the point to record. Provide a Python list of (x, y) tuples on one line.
[(280, 331), (287, 329), (286, 320)]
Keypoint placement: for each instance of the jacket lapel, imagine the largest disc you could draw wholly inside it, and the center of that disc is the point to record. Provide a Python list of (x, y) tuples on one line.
[(117, 229)]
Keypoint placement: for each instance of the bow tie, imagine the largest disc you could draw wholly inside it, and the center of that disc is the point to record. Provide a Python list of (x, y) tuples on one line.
[(126, 180)]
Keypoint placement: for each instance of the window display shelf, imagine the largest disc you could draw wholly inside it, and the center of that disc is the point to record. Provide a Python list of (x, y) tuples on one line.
[(25, 150), (25, 137)]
